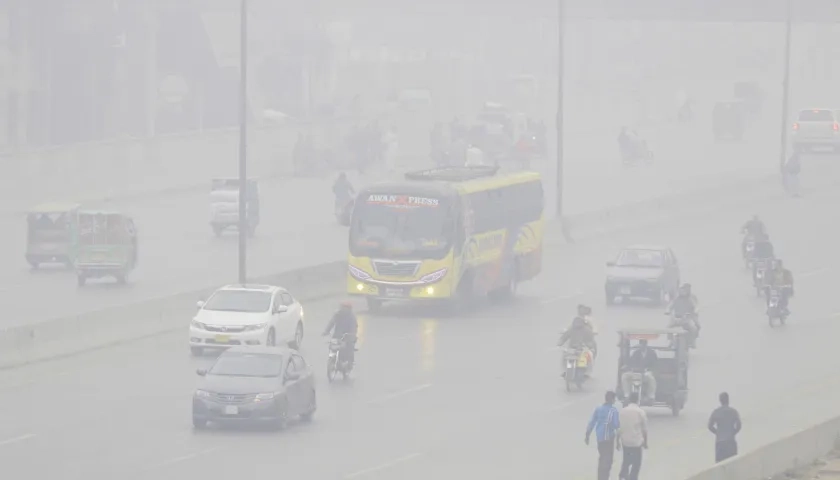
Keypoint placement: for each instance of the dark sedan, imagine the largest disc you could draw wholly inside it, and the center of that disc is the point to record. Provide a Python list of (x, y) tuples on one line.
[(643, 271), (255, 385)]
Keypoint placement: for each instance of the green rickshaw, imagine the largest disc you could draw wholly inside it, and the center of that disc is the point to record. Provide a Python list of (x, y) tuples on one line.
[(107, 246), (50, 234)]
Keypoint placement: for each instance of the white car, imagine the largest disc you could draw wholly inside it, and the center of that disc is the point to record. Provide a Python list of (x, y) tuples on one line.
[(817, 128), (258, 315)]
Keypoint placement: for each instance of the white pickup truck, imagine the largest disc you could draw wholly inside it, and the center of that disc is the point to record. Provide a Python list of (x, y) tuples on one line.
[(817, 129)]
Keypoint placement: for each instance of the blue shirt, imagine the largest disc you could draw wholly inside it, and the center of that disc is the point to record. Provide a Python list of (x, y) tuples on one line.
[(605, 423)]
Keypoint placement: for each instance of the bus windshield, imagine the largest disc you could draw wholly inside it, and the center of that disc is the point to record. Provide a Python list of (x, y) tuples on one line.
[(401, 226)]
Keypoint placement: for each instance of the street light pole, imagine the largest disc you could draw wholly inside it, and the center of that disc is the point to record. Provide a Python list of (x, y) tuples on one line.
[(561, 27), (243, 142), (786, 88)]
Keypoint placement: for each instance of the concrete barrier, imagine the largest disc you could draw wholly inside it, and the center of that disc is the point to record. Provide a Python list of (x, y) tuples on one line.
[(790, 453), (66, 336), (88, 331)]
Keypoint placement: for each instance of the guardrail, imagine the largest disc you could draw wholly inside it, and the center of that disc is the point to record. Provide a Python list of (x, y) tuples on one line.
[(790, 453)]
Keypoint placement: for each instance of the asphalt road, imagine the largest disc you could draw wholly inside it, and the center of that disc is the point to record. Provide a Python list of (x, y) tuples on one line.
[(473, 396), (178, 251)]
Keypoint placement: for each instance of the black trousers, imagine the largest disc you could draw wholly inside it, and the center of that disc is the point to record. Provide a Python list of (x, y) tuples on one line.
[(606, 450), (725, 449), (631, 463)]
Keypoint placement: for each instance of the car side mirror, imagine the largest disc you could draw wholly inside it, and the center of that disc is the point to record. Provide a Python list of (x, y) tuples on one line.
[(281, 309), (291, 377), (610, 264), (199, 304), (201, 372)]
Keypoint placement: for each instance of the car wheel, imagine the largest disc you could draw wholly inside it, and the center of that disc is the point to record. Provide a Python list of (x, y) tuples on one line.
[(298, 337), (196, 351), (199, 423), (310, 409), (271, 341)]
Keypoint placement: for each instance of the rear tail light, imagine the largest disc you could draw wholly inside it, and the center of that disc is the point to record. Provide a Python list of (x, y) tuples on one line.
[(795, 126), (835, 126)]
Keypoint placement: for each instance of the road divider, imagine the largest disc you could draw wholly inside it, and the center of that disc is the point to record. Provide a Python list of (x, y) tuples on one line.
[(787, 454), (79, 333)]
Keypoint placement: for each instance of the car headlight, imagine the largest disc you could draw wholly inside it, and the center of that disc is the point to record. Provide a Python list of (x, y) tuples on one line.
[(252, 328), (202, 394), (358, 273), (198, 325), (262, 397)]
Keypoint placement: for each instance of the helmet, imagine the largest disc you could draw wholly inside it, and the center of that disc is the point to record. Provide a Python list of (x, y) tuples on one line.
[(755, 218), (346, 304), (685, 288), (583, 310), (342, 176)]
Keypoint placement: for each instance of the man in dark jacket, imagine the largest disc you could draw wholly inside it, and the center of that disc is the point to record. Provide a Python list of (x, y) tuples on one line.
[(725, 423), (344, 322)]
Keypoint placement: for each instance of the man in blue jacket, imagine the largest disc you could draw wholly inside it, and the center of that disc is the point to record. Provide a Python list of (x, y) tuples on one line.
[(605, 423)]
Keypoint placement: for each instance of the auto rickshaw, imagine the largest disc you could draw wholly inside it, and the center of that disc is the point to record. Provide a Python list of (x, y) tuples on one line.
[(50, 232), (729, 120), (671, 371), (107, 246), (224, 205)]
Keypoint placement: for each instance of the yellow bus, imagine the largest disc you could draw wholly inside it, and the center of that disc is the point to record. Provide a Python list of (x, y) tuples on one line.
[(446, 233)]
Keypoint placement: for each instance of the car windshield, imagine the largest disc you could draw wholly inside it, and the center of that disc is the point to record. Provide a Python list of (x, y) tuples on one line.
[(239, 301), (401, 225), (816, 116), (238, 364), (641, 258)]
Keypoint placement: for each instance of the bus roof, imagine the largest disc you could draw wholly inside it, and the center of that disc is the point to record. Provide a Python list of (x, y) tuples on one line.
[(448, 182), (54, 207)]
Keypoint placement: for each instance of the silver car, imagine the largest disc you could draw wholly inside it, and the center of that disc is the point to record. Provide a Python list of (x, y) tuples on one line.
[(817, 129), (258, 385)]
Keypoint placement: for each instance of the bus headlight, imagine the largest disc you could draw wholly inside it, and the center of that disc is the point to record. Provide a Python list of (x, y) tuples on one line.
[(434, 276), (358, 273), (430, 290)]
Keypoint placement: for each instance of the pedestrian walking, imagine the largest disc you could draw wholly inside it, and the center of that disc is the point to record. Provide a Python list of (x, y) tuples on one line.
[(790, 175), (632, 437), (725, 423), (605, 423)]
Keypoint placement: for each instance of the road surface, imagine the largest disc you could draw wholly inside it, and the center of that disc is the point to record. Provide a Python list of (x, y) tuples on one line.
[(473, 396)]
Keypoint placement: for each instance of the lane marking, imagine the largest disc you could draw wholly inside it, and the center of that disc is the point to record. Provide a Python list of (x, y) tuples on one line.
[(19, 439), (813, 273), (401, 393), (383, 466), (190, 456)]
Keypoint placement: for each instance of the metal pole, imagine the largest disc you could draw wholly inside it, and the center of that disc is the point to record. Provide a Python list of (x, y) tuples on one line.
[(561, 27), (786, 89), (243, 142)]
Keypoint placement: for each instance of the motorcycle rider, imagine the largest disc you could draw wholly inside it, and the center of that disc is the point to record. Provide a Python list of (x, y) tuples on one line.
[(685, 306), (628, 144), (781, 279), (762, 254), (344, 322), (753, 228), (343, 191), (579, 337), (642, 360)]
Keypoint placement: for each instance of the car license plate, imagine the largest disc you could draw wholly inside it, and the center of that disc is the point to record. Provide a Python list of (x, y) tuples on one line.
[(222, 339), (625, 291), (231, 410), (394, 292)]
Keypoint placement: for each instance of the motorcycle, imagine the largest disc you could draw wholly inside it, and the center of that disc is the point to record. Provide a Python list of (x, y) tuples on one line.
[(759, 275), (344, 211), (774, 308), (682, 321), (749, 247), (336, 363), (577, 366)]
